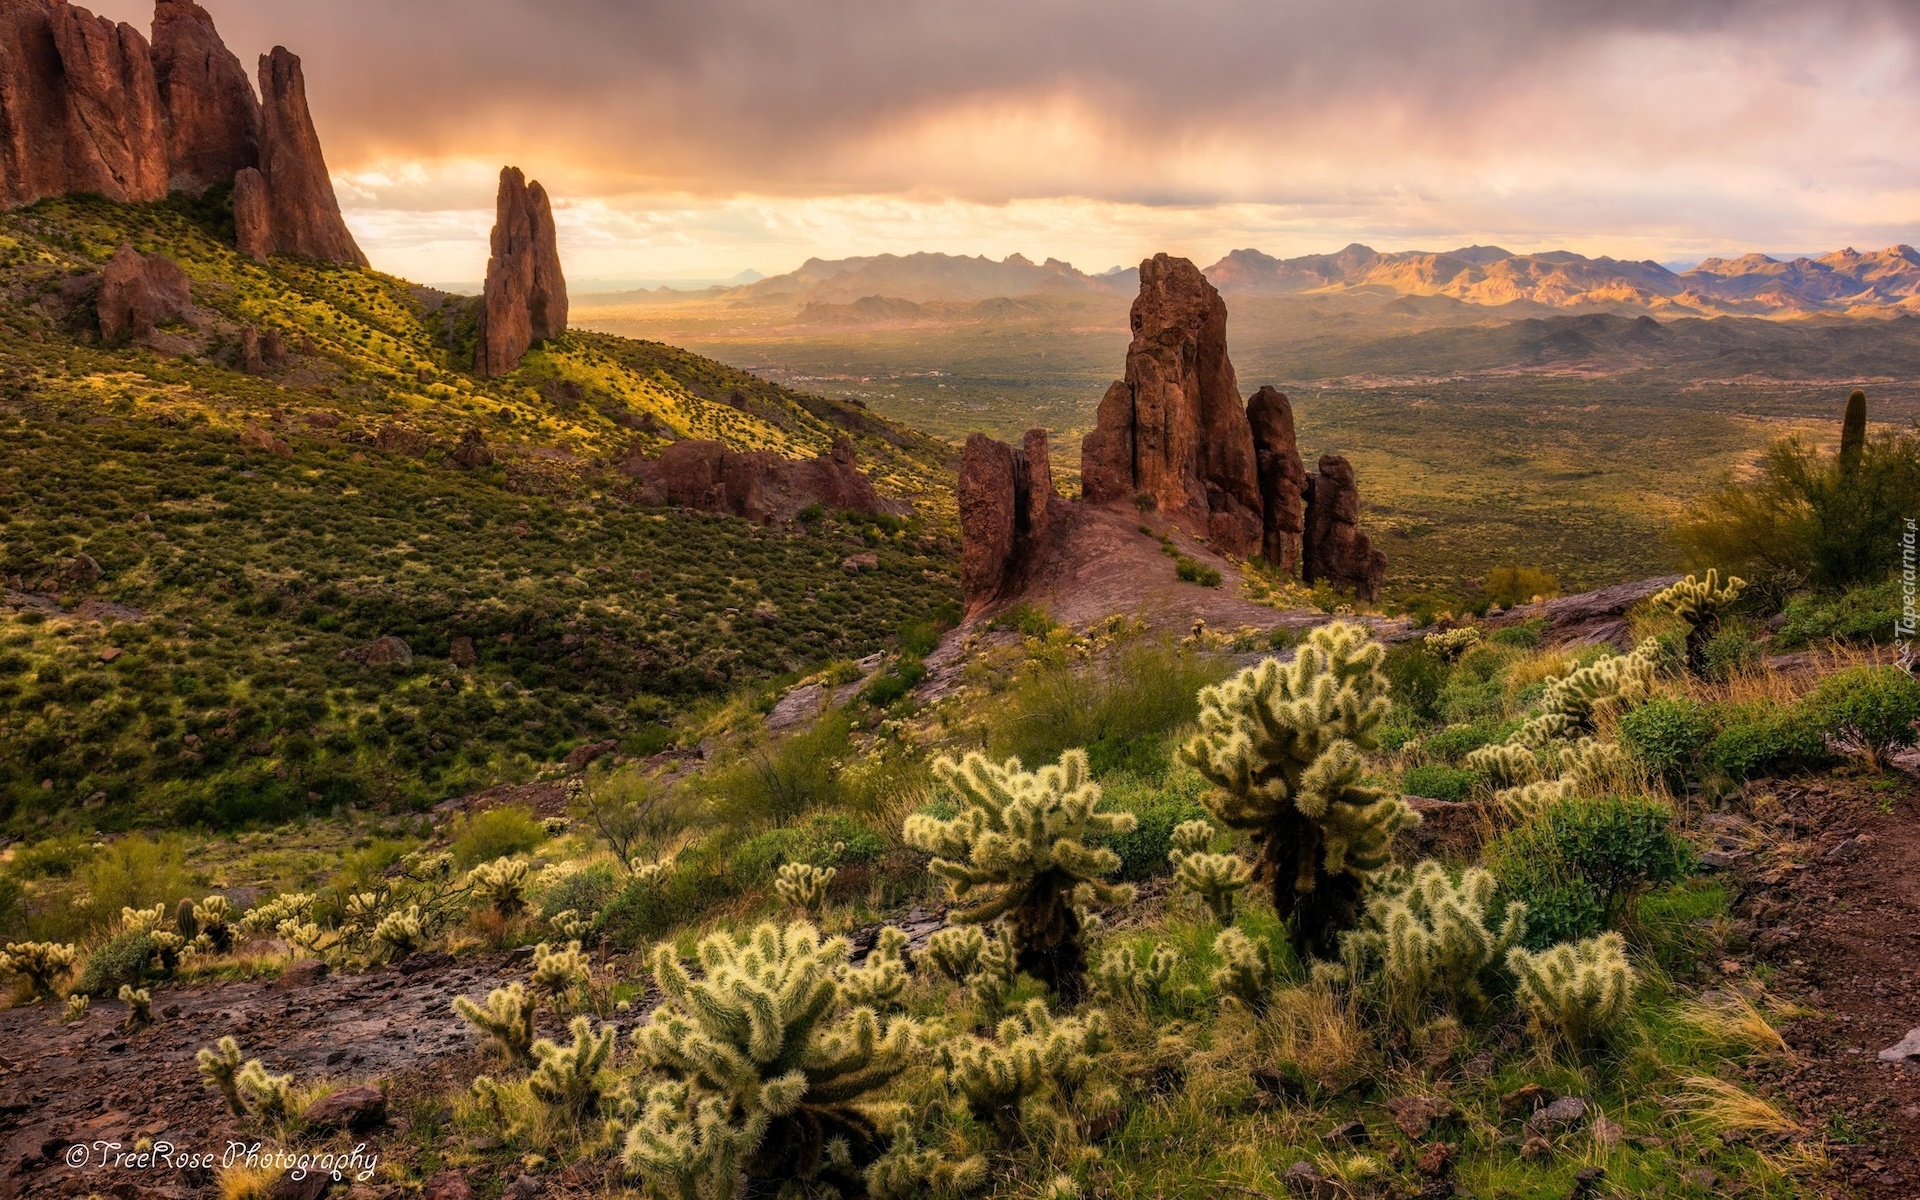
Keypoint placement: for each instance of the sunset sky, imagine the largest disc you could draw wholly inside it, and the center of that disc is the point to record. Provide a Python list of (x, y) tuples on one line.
[(696, 138)]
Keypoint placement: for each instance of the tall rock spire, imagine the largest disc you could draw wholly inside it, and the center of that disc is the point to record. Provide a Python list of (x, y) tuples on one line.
[(303, 214), (526, 294), (212, 117)]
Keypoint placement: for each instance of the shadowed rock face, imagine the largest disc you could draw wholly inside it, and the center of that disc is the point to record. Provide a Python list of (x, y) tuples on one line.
[(1007, 505), (758, 485), (1283, 478), (1335, 550), (303, 214), (252, 214), (1174, 430), (213, 120), (79, 109), (526, 293), (139, 291)]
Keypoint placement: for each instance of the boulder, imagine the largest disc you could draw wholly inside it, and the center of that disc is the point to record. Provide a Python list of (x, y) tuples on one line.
[(1007, 505), (1283, 478), (355, 1109), (303, 213), (138, 292), (526, 294), (758, 485), (387, 651), (1334, 550), (447, 1185), (854, 564), (260, 439), (1174, 432), (462, 653), (79, 109), (261, 352), (472, 452), (212, 117)]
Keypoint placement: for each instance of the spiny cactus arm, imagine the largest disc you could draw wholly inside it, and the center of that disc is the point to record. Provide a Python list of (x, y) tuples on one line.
[(220, 1068), (1508, 764), (955, 951), (688, 1146), (856, 1058)]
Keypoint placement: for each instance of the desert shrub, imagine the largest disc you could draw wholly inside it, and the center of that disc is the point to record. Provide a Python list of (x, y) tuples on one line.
[(645, 909), (822, 840), (1581, 864), (585, 891), (1508, 586), (1437, 781), (771, 783), (1455, 742), (1668, 735), (1157, 810), (1763, 739), (495, 833), (135, 872), (1119, 711), (892, 684), (1864, 614), (1192, 571), (1871, 709), (1732, 650), (1415, 679), (1527, 635), (55, 858), (121, 959)]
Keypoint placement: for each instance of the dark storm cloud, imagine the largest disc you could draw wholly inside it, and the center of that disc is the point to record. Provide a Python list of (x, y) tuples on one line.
[(769, 92)]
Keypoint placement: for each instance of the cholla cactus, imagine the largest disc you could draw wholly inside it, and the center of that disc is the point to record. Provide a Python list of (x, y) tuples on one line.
[(213, 917), (1700, 603), (1428, 939), (139, 1002), (555, 826), (41, 964), (220, 1069), (763, 1032), (558, 972), (399, 933), (955, 951), (1218, 879), (146, 920), (572, 1078), (803, 886), (268, 916), (77, 1005), (167, 949), (1588, 765), (501, 884), (1123, 975), (568, 923), (301, 937), (1574, 703), (507, 1019), (1578, 990), (1448, 645), (1283, 744), (1190, 837), (910, 1171), (267, 1097), (1245, 975), (650, 874), (1020, 850), (880, 981), (686, 1144), (1031, 1052), (1507, 764)]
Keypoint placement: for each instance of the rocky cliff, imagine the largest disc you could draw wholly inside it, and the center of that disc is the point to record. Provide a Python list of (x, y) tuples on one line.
[(1007, 507), (758, 485), (526, 293), (89, 106)]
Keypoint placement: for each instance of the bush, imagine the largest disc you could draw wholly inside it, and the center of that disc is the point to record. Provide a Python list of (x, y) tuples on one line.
[(1764, 739), (641, 912), (778, 781), (1455, 742), (1144, 692), (1668, 735), (1191, 571), (1859, 615), (1508, 586), (495, 833), (1436, 781), (55, 858), (895, 682), (1156, 811), (1414, 680), (824, 840), (120, 960), (1581, 864), (1527, 635), (585, 892), (1732, 651), (1872, 709), (135, 872)]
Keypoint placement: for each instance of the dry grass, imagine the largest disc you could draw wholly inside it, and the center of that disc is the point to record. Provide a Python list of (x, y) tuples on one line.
[(1719, 1104), (247, 1183), (1732, 1018)]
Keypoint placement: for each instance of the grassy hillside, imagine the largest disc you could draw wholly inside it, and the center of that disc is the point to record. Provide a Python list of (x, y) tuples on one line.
[(240, 539)]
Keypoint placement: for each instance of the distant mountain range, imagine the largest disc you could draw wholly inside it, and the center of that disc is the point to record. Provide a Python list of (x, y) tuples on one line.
[(1846, 282)]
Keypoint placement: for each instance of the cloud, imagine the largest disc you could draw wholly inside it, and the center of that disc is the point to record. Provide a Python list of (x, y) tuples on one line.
[(1644, 119)]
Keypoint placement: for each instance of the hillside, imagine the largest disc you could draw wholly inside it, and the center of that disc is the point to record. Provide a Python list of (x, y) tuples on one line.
[(202, 562)]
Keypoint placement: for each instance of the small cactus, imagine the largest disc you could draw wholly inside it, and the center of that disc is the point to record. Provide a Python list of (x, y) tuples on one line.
[(77, 1005), (1190, 837), (1031, 1052), (559, 972), (41, 964), (268, 916), (955, 951), (651, 874), (399, 933), (1428, 940), (1577, 701), (167, 949), (1507, 764), (1579, 990), (1245, 975), (1448, 645), (507, 1019), (803, 886), (568, 923), (1853, 432), (220, 1070), (501, 885), (214, 918), (910, 1171), (267, 1097), (1218, 879), (139, 1002), (686, 1144), (572, 1078), (145, 920), (879, 982), (1125, 976), (185, 922), (1700, 603)]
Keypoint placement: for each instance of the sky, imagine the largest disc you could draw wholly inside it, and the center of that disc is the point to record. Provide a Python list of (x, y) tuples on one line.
[(694, 139)]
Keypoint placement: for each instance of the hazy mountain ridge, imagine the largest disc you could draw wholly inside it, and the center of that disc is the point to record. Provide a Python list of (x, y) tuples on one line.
[(1882, 283)]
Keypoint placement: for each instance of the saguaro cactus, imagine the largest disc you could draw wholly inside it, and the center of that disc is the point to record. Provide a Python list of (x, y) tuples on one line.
[(1019, 850), (1853, 432), (1700, 603), (1283, 745)]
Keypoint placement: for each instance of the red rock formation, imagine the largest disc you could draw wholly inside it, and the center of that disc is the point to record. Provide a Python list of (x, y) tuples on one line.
[(1174, 430), (252, 215), (1283, 478), (79, 111), (139, 291), (303, 213), (758, 485), (1007, 506), (1335, 551), (213, 120), (526, 294)]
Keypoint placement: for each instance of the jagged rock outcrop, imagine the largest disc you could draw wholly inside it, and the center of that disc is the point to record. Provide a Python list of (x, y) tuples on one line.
[(1174, 429), (1283, 479), (212, 117), (139, 291), (1334, 549), (758, 485), (526, 293), (303, 215), (79, 109), (252, 215), (1007, 507)]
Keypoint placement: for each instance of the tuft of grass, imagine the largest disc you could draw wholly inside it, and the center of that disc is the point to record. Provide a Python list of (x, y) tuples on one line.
[(1719, 1105)]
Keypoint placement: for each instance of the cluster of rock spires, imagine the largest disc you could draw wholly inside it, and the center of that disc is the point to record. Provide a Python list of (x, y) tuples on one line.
[(758, 485), (526, 294), (1174, 437), (89, 106)]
